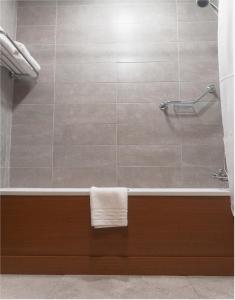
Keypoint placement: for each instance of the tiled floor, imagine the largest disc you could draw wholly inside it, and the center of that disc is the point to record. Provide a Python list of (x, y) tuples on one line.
[(93, 117), (109, 287)]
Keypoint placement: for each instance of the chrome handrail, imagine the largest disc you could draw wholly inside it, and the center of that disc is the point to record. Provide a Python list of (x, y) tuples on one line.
[(209, 89)]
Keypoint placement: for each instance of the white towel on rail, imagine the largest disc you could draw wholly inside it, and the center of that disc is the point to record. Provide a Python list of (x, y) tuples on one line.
[(5, 43), (11, 58), (7, 59), (109, 207), (28, 55)]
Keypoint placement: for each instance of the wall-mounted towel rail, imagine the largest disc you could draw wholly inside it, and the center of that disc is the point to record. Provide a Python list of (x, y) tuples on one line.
[(8, 62)]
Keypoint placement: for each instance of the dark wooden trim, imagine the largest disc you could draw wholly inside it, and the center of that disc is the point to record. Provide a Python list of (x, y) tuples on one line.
[(110, 265), (166, 235)]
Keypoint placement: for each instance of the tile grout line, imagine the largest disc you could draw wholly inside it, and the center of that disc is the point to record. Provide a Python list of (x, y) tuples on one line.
[(116, 98), (179, 93), (91, 25), (10, 143), (123, 166), (54, 99)]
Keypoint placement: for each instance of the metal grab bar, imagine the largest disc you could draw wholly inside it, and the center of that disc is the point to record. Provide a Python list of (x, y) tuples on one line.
[(13, 73), (209, 90)]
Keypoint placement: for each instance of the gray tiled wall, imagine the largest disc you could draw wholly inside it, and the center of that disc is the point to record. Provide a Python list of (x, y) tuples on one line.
[(93, 117), (8, 11)]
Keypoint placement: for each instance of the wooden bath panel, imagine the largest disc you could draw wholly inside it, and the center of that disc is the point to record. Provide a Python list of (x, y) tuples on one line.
[(168, 235)]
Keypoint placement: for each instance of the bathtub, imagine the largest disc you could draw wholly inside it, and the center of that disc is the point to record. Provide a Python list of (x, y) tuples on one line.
[(170, 232)]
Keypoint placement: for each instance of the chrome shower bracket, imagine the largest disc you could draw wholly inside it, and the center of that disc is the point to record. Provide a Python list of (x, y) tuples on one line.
[(222, 174), (210, 89)]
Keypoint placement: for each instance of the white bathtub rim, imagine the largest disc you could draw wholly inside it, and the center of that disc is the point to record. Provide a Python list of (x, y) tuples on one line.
[(131, 191)]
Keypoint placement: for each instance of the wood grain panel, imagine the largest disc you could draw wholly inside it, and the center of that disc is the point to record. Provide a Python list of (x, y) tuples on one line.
[(165, 235), (111, 265), (158, 226)]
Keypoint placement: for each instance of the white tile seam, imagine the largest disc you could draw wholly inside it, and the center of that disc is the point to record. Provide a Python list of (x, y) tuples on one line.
[(91, 25), (54, 99), (112, 145), (117, 141), (179, 94), (11, 123)]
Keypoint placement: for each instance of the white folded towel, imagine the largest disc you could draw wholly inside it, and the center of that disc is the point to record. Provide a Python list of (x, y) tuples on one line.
[(7, 45), (7, 58), (109, 207), (11, 57), (25, 51)]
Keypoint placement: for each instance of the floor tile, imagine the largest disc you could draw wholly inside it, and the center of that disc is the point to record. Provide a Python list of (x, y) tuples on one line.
[(213, 287), (119, 287)]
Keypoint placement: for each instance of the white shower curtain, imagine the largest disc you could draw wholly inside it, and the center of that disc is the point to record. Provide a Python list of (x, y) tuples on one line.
[(226, 48)]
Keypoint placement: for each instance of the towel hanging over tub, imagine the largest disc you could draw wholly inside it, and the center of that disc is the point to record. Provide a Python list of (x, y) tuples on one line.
[(109, 207)]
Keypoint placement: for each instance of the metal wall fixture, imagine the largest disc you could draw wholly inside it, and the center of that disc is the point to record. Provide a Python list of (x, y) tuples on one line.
[(210, 89), (222, 174), (13, 69), (204, 3)]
